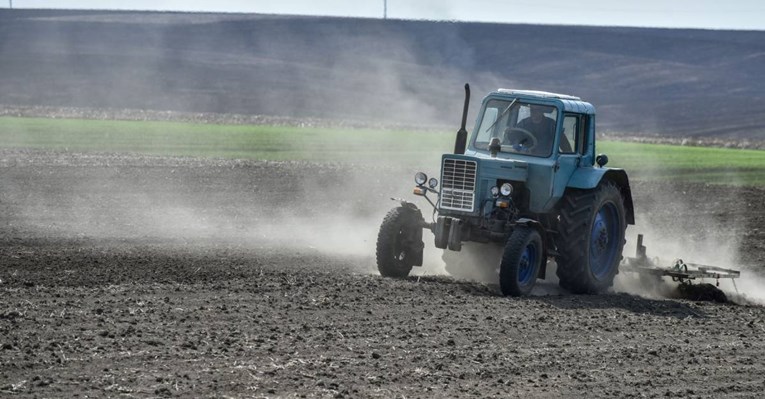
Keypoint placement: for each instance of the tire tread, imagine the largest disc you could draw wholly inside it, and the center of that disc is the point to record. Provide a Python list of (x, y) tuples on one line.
[(576, 213), (389, 229)]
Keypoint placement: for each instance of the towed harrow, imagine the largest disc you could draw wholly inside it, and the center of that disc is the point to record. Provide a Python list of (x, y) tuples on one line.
[(683, 273)]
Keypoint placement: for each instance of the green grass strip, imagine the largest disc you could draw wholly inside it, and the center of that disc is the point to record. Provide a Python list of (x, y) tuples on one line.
[(415, 149)]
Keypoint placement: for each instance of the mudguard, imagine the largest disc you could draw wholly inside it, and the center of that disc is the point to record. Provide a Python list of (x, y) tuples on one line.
[(589, 178), (406, 204)]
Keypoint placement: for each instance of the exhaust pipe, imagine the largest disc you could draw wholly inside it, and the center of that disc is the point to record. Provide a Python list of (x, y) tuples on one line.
[(461, 142)]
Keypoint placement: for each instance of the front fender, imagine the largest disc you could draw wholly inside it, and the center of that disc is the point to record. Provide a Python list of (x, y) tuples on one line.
[(406, 204)]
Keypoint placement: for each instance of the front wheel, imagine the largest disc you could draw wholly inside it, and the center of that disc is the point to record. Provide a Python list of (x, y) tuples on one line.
[(521, 262), (399, 243)]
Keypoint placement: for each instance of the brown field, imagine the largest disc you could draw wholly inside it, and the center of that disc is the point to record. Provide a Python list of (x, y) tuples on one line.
[(146, 276)]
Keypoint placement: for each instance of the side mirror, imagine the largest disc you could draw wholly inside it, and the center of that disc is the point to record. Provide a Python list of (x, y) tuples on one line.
[(601, 160), (494, 147)]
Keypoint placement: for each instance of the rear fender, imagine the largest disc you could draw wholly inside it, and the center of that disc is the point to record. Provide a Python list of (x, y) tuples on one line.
[(590, 178)]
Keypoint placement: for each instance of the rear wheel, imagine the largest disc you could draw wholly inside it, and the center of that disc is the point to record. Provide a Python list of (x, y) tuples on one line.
[(591, 239), (521, 262), (397, 243)]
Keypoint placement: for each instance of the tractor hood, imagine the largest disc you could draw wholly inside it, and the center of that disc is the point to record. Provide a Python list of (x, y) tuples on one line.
[(466, 181)]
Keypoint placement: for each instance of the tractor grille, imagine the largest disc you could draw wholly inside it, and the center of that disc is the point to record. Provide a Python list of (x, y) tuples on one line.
[(458, 185)]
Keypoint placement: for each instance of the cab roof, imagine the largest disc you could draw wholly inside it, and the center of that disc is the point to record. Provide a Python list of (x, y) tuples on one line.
[(569, 103), (538, 93)]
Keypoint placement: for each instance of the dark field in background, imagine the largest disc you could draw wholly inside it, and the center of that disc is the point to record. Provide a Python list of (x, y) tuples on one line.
[(689, 83)]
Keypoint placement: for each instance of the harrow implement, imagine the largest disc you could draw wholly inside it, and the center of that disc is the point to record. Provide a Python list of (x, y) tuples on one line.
[(680, 271)]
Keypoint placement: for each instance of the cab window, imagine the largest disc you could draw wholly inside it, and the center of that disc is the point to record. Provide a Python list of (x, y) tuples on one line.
[(569, 140), (489, 117), (521, 127)]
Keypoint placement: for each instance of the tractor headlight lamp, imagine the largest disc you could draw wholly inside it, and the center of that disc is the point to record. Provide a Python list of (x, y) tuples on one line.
[(420, 178), (506, 189), (433, 182), (495, 191)]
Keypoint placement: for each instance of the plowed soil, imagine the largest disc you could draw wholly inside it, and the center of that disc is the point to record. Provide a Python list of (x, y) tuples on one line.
[(131, 276)]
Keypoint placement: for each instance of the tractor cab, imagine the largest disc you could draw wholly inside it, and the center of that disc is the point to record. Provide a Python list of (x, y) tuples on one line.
[(534, 124), (533, 140)]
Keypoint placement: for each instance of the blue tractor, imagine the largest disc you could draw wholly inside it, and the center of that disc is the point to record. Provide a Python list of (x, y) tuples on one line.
[(528, 186)]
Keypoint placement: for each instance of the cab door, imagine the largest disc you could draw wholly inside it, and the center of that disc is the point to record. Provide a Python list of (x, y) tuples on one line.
[(569, 146)]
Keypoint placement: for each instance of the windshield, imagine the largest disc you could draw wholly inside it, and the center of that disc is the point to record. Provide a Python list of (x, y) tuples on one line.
[(521, 127)]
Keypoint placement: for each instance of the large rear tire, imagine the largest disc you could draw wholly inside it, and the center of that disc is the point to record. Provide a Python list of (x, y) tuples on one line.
[(591, 238), (521, 262), (396, 242)]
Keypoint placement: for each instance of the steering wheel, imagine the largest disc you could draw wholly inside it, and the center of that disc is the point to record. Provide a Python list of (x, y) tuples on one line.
[(526, 142)]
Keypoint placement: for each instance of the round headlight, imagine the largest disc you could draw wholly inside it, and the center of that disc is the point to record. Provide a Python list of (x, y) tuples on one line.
[(420, 178), (506, 189), (495, 191), (433, 182)]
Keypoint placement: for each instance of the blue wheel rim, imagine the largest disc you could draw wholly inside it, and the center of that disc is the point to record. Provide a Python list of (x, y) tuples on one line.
[(527, 264), (604, 241)]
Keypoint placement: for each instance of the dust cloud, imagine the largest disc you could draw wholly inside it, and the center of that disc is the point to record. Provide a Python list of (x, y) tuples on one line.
[(330, 209), (289, 206), (678, 223), (326, 208)]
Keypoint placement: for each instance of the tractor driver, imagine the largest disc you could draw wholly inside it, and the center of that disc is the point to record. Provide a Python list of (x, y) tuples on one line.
[(540, 126)]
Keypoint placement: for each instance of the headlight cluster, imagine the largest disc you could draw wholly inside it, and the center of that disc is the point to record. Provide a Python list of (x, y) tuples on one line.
[(420, 178), (505, 189)]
